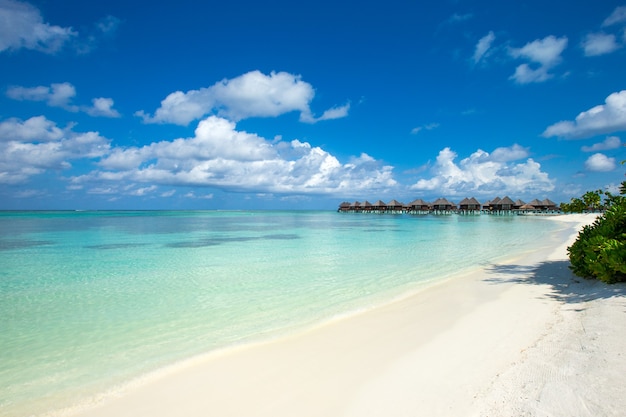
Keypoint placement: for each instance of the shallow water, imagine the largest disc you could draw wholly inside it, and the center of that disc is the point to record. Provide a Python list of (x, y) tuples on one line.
[(90, 300)]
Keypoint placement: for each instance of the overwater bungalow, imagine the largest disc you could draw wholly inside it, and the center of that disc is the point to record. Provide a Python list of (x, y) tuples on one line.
[(366, 206), (442, 205), (379, 207), (395, 205), (469, 205), (527, 208), (504, 205), (356, 206), (490, 205), (518, 204), (549, 205), (418, 206), (345, 206)]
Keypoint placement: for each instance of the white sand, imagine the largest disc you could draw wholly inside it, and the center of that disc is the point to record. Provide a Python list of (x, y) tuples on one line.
[(520, 339)]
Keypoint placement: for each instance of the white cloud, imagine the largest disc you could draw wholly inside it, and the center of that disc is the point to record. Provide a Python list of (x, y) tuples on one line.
[(601, 119), (102, 107), (57, 95), (191, 194), (524, 74), (22, 26), (618, 16), (220, 156), (429, 126), (142, 191), (35, 129), (485, 174), (61, 95), (600, 163), (330, 114), (36, 145), (596, 44), (483, 46), (506, 154), (253, 94), (612, 142), (546, 53)]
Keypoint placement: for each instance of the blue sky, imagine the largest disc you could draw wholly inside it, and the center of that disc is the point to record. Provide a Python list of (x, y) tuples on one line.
[(256, 105)]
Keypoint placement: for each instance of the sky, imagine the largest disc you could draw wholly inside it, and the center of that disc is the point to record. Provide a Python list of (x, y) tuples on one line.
[(302, 105)]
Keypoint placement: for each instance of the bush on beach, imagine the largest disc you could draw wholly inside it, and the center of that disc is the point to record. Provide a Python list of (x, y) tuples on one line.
[(599, 251)]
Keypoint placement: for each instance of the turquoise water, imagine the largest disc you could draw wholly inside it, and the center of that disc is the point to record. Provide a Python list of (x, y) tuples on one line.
[(90, 300)]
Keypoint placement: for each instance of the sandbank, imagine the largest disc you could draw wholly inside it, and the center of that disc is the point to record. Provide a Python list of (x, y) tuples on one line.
[(521, 338)]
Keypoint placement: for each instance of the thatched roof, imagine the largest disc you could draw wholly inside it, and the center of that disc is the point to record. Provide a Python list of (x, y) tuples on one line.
[(469, 202), (548, 203), (442, 202), (418, 202)]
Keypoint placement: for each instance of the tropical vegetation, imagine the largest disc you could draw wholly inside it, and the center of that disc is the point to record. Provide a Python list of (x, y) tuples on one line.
[(599, 251)]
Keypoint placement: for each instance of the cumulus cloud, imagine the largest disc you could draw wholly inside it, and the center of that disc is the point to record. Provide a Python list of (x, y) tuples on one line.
[(618, 16), (599, 162), (595, 44), (511, 153), (219, 155), (544, 53), (22, 26), (31, 147), (102, 107), (486, 174), (612, 142), (483, 46), (601, 119), (35, 129), (61, 95), (253, 94)]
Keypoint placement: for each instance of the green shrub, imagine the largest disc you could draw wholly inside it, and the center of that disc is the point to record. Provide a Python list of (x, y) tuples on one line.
[(599, 251)]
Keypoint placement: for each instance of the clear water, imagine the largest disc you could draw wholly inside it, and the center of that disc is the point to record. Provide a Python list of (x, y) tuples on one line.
[(90, 300)]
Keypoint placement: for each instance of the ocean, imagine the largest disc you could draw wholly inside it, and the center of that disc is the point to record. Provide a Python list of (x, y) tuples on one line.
[(90, 301)]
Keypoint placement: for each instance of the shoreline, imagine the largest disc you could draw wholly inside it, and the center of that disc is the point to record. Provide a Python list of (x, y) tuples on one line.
[(450, 349)]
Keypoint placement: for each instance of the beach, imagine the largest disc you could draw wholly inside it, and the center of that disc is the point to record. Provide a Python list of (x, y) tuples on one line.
[(521, 337)]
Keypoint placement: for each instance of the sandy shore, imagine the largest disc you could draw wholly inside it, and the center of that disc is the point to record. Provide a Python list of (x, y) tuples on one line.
[(525, 338)]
